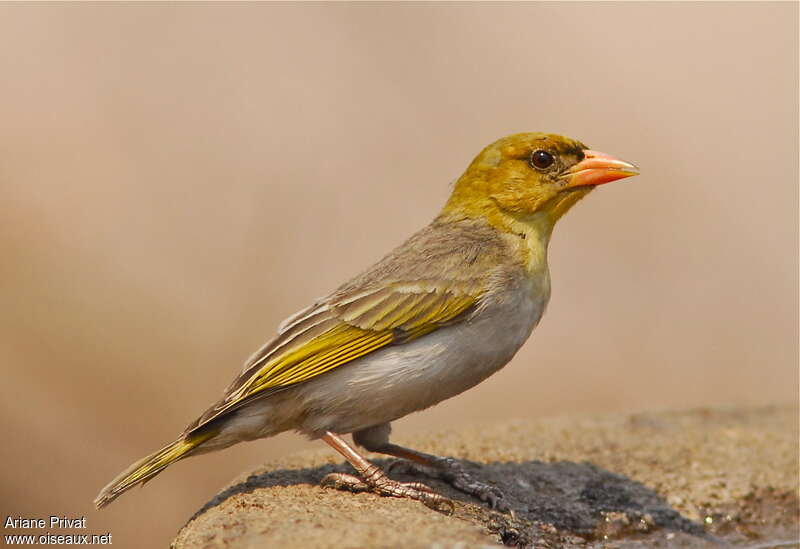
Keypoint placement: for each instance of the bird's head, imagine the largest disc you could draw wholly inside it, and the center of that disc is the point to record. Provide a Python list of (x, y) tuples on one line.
[(532, 174)]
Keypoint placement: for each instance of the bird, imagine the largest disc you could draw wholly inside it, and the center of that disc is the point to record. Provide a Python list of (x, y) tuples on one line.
[(436, 316)]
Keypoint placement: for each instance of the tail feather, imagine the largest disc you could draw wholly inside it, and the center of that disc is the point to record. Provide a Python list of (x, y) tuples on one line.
[(148, 467)]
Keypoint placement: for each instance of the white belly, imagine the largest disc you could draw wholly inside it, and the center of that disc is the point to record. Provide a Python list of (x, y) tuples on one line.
[(398, 380)]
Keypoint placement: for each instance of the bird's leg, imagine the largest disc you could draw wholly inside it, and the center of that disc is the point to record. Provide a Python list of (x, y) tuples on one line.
[(373, 479), (449, 470), (376, 439)]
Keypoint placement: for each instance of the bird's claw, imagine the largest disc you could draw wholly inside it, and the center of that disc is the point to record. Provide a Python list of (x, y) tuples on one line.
[(452, 472), (341, 481), (385, 486)]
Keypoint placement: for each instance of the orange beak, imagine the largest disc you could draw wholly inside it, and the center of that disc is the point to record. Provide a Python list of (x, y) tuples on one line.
[(597, 168)]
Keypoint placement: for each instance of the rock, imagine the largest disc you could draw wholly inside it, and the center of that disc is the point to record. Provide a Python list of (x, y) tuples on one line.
[(669, 479)]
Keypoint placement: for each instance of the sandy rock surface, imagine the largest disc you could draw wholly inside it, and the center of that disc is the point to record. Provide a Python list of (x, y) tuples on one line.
[(668, 479)]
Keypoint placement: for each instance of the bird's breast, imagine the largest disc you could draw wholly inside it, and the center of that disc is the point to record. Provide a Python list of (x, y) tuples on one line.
[(397, 380)]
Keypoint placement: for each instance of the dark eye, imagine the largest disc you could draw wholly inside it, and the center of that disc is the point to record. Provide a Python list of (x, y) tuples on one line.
[(541, 159)]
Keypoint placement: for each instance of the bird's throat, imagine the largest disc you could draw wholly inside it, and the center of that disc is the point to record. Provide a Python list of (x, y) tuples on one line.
[(529, 232), (534, 230), (530, 236)]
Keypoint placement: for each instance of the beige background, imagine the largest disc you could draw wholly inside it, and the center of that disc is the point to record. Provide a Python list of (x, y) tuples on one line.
[(177, 179)]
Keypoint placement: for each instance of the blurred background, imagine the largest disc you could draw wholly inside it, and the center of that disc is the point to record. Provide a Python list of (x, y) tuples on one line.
[(177, 179)]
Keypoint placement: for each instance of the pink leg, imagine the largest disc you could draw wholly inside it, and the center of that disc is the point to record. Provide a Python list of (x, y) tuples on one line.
[(448, 470), (373, 479)]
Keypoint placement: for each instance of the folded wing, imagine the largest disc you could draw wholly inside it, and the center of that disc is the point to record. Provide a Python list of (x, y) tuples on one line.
[(338, 330)]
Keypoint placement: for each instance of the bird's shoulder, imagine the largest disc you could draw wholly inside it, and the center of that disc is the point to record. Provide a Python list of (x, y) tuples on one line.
[(455, 254), (441, 271)]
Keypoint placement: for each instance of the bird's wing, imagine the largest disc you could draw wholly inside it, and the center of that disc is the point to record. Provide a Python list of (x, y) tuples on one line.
[(340, 329)]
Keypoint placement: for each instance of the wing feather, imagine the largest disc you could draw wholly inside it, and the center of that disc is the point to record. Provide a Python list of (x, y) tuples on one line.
[(331, 334), (414, 290)]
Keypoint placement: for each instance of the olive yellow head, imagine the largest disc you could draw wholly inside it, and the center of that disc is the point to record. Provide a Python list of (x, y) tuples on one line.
[(529, 176)]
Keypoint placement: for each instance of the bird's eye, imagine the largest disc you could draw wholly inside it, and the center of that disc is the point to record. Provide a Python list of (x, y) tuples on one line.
[(541, 160)]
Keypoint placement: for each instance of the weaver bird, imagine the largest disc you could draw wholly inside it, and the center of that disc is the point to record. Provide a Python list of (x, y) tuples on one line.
[(436, 316)]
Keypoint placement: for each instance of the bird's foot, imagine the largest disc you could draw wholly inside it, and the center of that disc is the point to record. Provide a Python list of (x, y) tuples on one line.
[(377, 481), (452, 472)]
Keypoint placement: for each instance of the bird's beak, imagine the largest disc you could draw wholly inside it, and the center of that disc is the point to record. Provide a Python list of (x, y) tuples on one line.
[(597, 168)]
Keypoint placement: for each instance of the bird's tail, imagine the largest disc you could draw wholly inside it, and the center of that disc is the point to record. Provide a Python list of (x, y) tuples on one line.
[(148, 467)]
